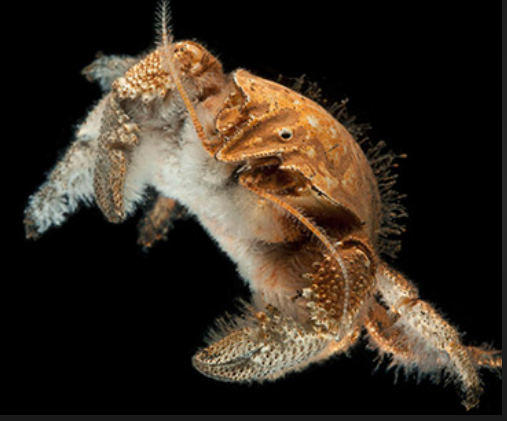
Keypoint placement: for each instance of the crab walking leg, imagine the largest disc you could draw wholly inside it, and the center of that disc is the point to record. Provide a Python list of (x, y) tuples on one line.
[(106, 69), (155, 225), (385, 336), (420, 319), (486, 358), (69, 183), (388, 338), (341, 346)]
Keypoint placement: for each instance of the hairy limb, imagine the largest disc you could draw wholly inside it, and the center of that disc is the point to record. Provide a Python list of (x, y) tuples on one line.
[(388, 337), (483, 357), (273, 343), (342, 346), (69, 183), (383, 333), (106, 69), (118, 137), (155, 225), (424, 325), (265, 346)]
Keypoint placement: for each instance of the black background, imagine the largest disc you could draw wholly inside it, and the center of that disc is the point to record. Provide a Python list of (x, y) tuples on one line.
[(90, 323)]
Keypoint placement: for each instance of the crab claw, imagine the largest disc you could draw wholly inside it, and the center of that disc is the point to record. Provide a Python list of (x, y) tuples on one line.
[(273, 345)]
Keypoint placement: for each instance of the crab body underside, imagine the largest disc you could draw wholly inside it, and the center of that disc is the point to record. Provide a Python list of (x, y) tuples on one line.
[(286, 192)]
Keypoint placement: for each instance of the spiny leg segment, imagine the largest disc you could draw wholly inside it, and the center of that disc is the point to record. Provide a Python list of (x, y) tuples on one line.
[(388, 337), (70, 183), (429, 335), (118, 136), (271, 344), (158, 221)]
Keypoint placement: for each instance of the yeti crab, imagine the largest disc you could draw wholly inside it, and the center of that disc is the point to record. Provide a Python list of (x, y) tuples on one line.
[(285, 190)]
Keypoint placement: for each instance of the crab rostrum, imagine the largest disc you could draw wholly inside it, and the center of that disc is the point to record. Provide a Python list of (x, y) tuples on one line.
[(285, 190)]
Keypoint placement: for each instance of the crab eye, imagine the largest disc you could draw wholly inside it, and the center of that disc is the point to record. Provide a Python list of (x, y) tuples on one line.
[(285, 134)]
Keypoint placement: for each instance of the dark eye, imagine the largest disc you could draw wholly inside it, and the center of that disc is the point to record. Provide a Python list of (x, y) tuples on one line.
[(286, 134)]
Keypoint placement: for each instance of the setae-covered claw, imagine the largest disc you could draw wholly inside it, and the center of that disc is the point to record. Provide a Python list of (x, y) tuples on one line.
[(271, 345)]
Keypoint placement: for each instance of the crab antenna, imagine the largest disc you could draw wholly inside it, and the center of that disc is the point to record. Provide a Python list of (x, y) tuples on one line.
[(166, 47), (164, 36)]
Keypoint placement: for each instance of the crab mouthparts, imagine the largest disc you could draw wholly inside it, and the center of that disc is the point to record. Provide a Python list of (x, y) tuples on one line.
[(268, 165)]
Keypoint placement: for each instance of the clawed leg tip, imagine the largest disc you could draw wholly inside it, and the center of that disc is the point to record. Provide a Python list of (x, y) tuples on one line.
[(470, 405), (31, 233), (234, 371)]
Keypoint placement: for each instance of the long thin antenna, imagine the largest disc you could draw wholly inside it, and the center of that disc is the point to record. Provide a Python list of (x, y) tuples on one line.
[(163, 14), (166, 47)]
